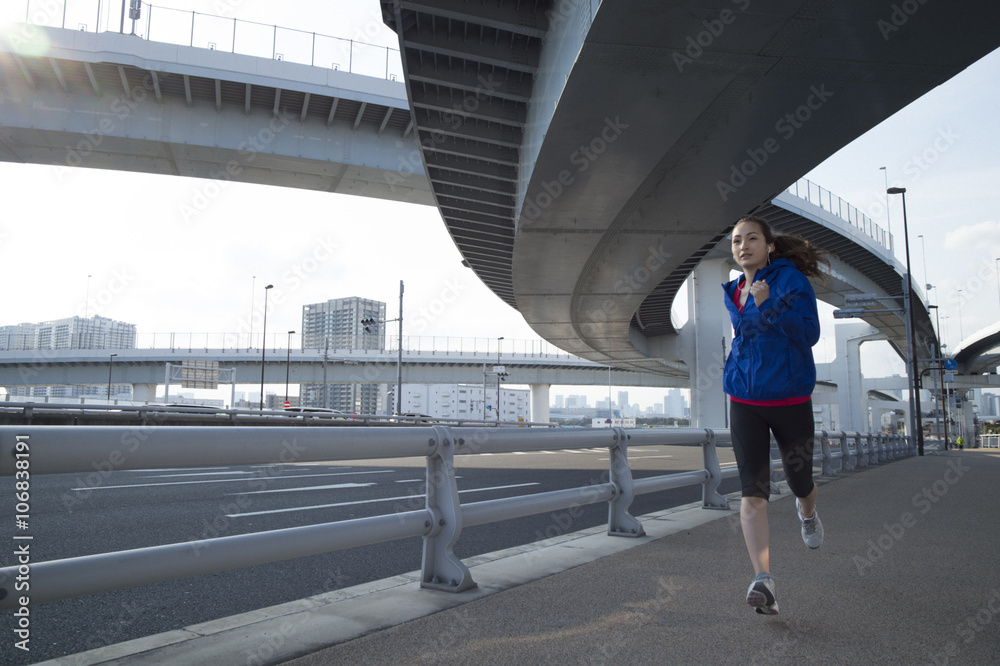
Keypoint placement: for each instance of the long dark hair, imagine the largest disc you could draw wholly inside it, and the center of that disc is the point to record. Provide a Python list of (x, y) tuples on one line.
[(806, 256)]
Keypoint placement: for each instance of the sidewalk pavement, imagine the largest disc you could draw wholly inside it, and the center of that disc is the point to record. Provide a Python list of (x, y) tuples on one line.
[(907, 575)]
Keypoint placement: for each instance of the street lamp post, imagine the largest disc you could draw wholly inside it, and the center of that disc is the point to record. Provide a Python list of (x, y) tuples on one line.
[(499, 372), (111, 364), (263, 347), (915, 418), (944, 398), (288, 365)]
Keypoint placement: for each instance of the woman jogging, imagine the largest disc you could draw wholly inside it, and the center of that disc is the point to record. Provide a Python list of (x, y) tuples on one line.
[(769, 377)]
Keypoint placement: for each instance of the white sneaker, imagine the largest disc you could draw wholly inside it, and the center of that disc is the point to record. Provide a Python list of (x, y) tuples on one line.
[(812, 528), (760, 595)]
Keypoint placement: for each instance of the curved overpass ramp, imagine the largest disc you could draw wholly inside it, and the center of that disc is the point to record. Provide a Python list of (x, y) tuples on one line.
[(587, 156)]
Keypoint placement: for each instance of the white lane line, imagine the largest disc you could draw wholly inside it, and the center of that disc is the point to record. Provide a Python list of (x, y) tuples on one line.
[(169, 469), (369, 501), (252, 478), (167, 476), (295, 490)]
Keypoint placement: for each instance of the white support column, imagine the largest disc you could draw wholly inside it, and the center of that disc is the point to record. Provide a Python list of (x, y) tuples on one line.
[(144, 392), (540, 402), (852, 403), (709, 321)]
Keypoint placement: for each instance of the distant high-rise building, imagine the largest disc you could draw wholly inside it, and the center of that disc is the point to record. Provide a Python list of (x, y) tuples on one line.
[(674, 403), (623, 400), (339, 324), (560, 402), (70, 333)]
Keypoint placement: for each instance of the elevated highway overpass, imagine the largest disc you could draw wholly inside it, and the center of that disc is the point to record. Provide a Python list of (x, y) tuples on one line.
[(622, 140), (585, 166)]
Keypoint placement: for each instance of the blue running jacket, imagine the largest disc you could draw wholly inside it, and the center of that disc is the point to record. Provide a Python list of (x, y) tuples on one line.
[(771, 357)]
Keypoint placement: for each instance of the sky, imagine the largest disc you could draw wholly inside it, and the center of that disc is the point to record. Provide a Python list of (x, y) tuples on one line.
[(85, 241)]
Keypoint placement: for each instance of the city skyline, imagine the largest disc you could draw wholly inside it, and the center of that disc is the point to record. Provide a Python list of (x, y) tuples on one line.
[(119, 244)]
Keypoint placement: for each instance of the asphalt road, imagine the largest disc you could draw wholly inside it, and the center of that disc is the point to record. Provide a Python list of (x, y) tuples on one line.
[(80, 514)]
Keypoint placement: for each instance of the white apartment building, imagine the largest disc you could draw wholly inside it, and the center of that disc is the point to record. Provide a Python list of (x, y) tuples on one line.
[(70, 333), (465, 401)]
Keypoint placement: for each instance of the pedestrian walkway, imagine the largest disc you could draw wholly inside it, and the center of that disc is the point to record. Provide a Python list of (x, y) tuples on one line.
[(907, 575)]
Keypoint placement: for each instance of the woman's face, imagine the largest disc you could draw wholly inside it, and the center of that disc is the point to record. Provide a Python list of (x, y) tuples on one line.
[(749, 247)]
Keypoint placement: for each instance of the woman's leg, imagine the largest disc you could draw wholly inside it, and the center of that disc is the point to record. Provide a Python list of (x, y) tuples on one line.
[(753, 518), (752, 448)]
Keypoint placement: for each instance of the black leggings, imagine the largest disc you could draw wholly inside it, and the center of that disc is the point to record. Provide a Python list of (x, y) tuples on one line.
[(793, 429)]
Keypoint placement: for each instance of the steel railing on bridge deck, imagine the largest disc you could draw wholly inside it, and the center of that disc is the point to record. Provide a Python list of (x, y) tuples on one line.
[(989, 441), (828, 201), (26, 451), (209, 31), (244, 343)]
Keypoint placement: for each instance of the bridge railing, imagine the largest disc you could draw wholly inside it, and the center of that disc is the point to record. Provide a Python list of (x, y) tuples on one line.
[(210, 31), (439, 521), (989, 441), (122, 412), (246, 343), (828, 201)]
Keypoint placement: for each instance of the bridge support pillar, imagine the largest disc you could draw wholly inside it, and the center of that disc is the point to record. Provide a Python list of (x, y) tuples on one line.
[(540, 402), (852, 399), (710, 321), (144, 392)]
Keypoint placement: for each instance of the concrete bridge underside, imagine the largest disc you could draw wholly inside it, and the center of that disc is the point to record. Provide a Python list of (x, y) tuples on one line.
[(111, 101), (607, 148)]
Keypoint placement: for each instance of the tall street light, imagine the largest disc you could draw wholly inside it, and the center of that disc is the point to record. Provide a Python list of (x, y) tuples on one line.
[(915, 418), (961, 332), (998, 282), (944, 395), (888, 222), (110, 365), (288, 365), (499, 371), (263, 347)]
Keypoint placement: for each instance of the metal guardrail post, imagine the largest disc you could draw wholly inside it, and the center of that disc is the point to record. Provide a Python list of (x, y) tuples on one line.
[(860, 450), (710, 497), (620, 521), (845, 458), (827, 464), (440, 569)]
